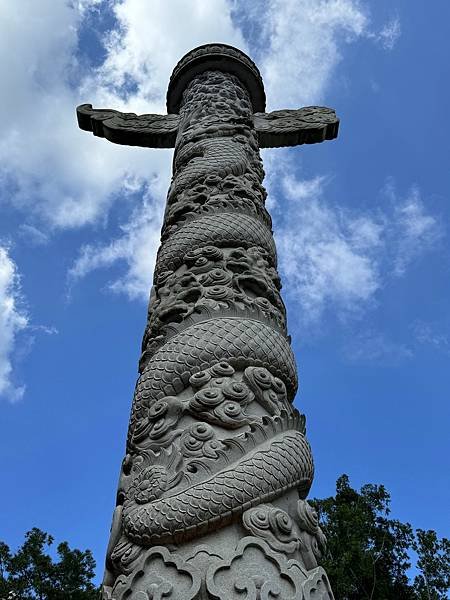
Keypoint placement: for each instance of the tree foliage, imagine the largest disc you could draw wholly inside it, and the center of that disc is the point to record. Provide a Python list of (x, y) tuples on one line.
[(369, 553), (31, 573), (433, 580)]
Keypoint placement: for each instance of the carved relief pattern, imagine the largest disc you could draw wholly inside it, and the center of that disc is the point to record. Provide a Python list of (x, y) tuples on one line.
[(214, 443), (300, 535)]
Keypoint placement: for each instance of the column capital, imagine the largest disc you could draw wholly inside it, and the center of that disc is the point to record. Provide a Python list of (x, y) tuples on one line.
[(216, 56)]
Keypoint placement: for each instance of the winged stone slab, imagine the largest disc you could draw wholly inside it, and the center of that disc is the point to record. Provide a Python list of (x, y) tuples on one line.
[(308, 125), (129, 129)]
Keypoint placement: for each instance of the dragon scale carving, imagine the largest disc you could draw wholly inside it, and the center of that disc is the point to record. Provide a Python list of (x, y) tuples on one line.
[(217, 465)]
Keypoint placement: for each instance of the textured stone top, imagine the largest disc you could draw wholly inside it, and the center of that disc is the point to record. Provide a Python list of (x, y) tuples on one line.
[(307, 125), (216, 56)]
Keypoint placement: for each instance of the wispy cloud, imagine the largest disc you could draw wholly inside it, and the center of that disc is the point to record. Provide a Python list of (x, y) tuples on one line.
[(13, 319), (135, 248), (338, 259), (48, 169), (326, 256), (368, 345), (146, 44), (300, 43), (297, 74), (432, 334), (376, 347), (419, 230), (32, 235), (389, 33)]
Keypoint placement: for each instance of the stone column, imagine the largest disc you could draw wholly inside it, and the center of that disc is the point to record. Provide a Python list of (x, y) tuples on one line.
[(211, 497)]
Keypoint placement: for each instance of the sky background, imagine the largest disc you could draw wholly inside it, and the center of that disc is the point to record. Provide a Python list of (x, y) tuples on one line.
[(361, 225)]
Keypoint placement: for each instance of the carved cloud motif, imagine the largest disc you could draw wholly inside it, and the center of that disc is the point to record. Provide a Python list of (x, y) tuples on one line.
[(254, 572), (273, 525), (160, 575)]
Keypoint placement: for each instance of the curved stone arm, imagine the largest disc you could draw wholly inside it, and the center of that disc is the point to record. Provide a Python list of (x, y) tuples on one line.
[(150, 131), (308, 125)]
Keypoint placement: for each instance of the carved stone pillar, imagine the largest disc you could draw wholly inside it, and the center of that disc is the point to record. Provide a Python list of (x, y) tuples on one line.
[(211, 498)]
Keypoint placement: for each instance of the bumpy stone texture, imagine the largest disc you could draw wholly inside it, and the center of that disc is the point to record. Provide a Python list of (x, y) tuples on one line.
[(211, 502)]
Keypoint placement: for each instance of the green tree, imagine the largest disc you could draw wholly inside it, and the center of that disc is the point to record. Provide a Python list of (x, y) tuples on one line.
[(368, 553), (433, 580), (31, 573)]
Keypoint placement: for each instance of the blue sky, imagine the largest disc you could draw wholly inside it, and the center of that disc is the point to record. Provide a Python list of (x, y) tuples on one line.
[(361, 225)]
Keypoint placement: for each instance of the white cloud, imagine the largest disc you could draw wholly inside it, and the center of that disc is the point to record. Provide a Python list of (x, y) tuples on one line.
[(419, 230), (32, 235), (13, 319), (339, 259), (389, 33), (49, 168), (304, 41), (136, 247), (374, 346), (150, 40), (432, 334), (412, 231), (326, 256), (368, 346), (47, 329)]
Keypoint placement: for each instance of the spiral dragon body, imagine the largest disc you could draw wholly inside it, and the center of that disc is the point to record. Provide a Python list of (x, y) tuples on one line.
[(274, 468), (223, 230), (239, 341), (195, 161)]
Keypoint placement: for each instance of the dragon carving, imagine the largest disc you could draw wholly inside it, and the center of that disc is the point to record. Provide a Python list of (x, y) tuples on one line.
[(217, 464)]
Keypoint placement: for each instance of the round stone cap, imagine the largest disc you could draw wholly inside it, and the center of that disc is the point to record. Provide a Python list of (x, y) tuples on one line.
[(216, 56)]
